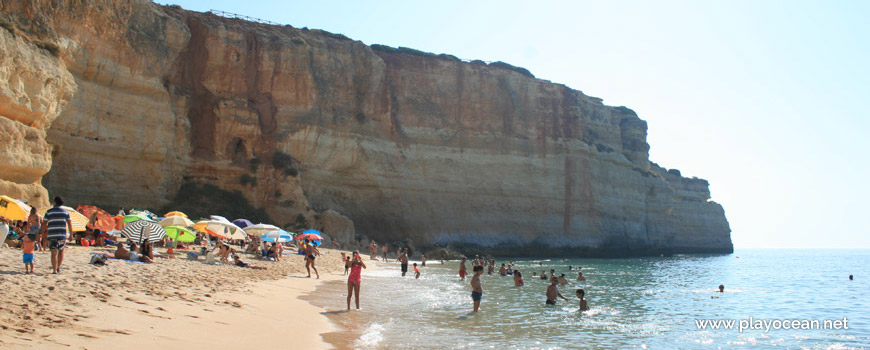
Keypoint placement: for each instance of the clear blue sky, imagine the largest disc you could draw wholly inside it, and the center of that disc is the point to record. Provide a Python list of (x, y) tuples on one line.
[(765, 99)]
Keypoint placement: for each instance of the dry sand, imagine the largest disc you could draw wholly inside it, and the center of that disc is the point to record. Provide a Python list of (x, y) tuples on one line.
[(172, 304)]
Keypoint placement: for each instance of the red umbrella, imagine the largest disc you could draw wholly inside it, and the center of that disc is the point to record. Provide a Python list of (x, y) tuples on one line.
[(103, 221), (311, 235)]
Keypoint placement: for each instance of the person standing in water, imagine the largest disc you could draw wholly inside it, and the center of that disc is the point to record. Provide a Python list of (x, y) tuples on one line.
[(403, 258), (311, 253), (462, 269), (422, 260), (583, 306), (416, 272), (553, 292), (476, 288), (518, 278), (384, 252), (355, 278)]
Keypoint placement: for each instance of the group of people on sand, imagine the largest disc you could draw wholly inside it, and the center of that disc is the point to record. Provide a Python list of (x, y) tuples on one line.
[(49, 232)]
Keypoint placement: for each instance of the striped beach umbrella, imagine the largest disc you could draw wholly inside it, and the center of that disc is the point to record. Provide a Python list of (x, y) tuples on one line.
[(138, 231)]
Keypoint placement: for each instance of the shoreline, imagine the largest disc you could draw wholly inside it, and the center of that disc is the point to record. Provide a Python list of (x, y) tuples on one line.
[(172, 304)]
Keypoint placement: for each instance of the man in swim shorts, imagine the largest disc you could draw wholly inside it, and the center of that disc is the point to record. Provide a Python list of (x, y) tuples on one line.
[(403, 258), (57, 228), (476, 288), (553, 292), (311, 253)]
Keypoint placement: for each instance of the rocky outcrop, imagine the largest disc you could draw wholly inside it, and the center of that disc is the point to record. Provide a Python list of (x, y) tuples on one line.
[(409, 146), (34, 88)]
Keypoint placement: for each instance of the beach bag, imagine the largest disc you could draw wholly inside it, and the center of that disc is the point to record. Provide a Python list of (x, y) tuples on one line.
[(99, 260)]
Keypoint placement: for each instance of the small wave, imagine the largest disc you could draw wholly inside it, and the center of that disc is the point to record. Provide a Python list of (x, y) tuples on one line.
[(371, 337)]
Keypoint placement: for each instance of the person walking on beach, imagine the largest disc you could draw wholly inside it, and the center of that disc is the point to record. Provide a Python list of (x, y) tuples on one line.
[(355, 278), (57, 228), (311, 253), (462, 269), (384, 252), (403, 259), (583, 306), (373, 248), (553, 291), (476, 288)]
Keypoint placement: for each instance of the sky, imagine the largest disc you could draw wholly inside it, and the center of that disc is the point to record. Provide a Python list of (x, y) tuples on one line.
[(765, 99)]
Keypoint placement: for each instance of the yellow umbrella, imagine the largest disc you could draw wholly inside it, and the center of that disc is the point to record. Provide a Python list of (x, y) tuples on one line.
[(175, 213), (79, 221), (13, 209)]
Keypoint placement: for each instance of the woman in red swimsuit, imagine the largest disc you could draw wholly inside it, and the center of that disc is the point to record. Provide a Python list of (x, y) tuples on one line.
[(354, 279)]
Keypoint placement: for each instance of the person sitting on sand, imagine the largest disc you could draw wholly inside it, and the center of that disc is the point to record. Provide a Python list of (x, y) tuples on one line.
[(135, 256), (502, 270), (553, 292), (147, 250), (122, 253), (241, 263), (518, 278), (562, 280), (311, 253), (580, 276), (277, 251), (583, 306)]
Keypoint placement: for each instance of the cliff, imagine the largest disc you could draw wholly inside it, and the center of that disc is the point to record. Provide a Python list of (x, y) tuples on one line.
[(161, 107)]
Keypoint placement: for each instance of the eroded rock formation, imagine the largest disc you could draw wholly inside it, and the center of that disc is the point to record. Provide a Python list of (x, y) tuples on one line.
[(421, 148)]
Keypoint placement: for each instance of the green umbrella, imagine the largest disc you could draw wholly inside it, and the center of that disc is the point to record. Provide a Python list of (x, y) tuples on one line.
[(134, 217), (180, 234)]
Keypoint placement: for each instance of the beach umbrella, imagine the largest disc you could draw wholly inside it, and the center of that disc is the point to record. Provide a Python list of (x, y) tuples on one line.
[(277, 236), (220, 229), (180, 234), (260, 229), (144, 213), (13, 209), (79, 221), (138, 231), (311, 235), (104, 220), (135, 217), (175, 213), (243, 223), (176, 221)]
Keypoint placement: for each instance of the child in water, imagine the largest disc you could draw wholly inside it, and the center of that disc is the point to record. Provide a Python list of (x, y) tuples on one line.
[(518, 279), (476, 289), (416, 272), (583, 306)]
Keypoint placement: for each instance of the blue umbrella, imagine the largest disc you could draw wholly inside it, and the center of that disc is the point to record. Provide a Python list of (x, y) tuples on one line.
[(242, 223), (279, 236)]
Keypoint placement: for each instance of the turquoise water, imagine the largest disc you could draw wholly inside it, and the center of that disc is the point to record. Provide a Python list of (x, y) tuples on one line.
[(634, 303)]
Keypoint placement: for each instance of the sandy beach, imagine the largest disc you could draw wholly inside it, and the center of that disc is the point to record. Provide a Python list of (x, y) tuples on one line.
[(172, 304)]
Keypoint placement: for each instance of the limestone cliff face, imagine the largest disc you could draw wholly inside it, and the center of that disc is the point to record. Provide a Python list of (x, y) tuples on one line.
[(407, 146)]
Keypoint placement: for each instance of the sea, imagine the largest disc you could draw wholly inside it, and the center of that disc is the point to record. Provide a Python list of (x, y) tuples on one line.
[(773, 298)]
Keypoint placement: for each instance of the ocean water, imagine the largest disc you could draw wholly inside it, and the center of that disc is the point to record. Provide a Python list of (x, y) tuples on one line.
[(653, 302)]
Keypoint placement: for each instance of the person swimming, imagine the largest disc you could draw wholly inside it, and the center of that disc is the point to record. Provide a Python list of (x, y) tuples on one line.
[(580, 276), (553, 292), (721, 288), (518, 278), (851, 278), (580, 294)]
